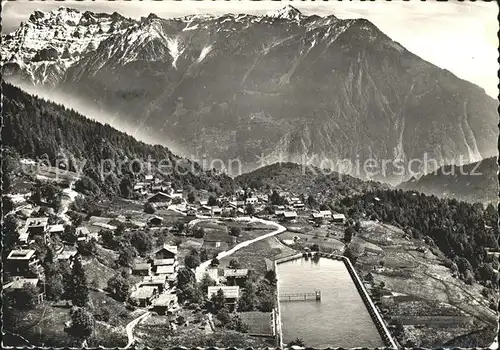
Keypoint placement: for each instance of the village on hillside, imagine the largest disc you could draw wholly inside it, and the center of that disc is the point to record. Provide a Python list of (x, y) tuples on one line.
[(146, 253), (175, 266)]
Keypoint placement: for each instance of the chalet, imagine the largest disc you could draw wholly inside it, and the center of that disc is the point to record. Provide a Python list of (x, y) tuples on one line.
[(165, 270), (236, 204), (155, 221), (105, 226), (191, 212), (216, 211), (228, 211), (144, 295), (140, 187), (299, 205), (83, 234), (163, 303), (166, 252), (37, 226), (288, 216), (66, 255), (19, 283), (236, 276), (231, 293), (263, 198), (327, 214), (160, 197), (158, 188), (279, 212), (164, 262), (205, 210), (159, 282), (20, 261), (340, 218), (141, 269), (252, 200), (317, 217), (56, 229), (176, 195)]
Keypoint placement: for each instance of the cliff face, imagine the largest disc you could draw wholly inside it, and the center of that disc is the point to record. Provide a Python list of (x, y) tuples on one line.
[(284, 87)]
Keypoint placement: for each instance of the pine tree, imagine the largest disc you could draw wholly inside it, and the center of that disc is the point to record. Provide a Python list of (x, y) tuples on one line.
[(79, 292)]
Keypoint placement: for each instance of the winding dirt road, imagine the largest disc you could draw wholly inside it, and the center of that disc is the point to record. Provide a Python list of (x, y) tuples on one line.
[(202, 268), (131, 325)]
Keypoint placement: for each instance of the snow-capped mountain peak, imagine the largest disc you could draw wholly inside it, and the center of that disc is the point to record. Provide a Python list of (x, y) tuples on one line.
[(288, 12), (49, 42)]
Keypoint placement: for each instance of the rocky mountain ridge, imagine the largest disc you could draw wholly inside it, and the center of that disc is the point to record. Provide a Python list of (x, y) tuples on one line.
[(282, 87)]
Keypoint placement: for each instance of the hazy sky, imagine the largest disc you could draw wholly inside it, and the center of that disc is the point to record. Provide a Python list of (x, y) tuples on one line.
[(458, 36)]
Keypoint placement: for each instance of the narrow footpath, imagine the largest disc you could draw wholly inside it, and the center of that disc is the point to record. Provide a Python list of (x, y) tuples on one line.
[(69, 195), (131, 325)]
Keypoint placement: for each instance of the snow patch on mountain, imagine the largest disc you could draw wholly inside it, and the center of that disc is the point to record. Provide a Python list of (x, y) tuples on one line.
[(288, 12), (204, 52), (175, 49)]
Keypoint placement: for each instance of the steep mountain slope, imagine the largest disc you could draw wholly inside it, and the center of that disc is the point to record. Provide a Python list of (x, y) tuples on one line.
[(285, 87), (49, 42), (477, 182), (107, 158)]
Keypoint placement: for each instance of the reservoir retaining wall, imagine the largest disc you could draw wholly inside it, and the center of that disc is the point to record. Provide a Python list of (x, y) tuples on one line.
[(372, 310)]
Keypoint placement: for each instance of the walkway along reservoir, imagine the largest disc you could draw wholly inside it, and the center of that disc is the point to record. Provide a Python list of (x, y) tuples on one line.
[(339, 317)]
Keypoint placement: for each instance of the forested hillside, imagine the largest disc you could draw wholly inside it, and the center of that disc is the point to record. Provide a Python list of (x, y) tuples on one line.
[(306, 180), (475, 182), (462, 231), (36, 128)]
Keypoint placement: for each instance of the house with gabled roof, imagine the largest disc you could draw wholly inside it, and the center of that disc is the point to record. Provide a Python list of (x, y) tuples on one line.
[(162, 262), (164, 302), (157, 281), (340, 218), (56, 229), (141, 269), (327, 214), (166, 252), (144, 295), (165, 270), (19, 283), (236, 276), (160, 197), (317, 217), (37, 226), (20, 261), (287, 216), (231, 293)]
